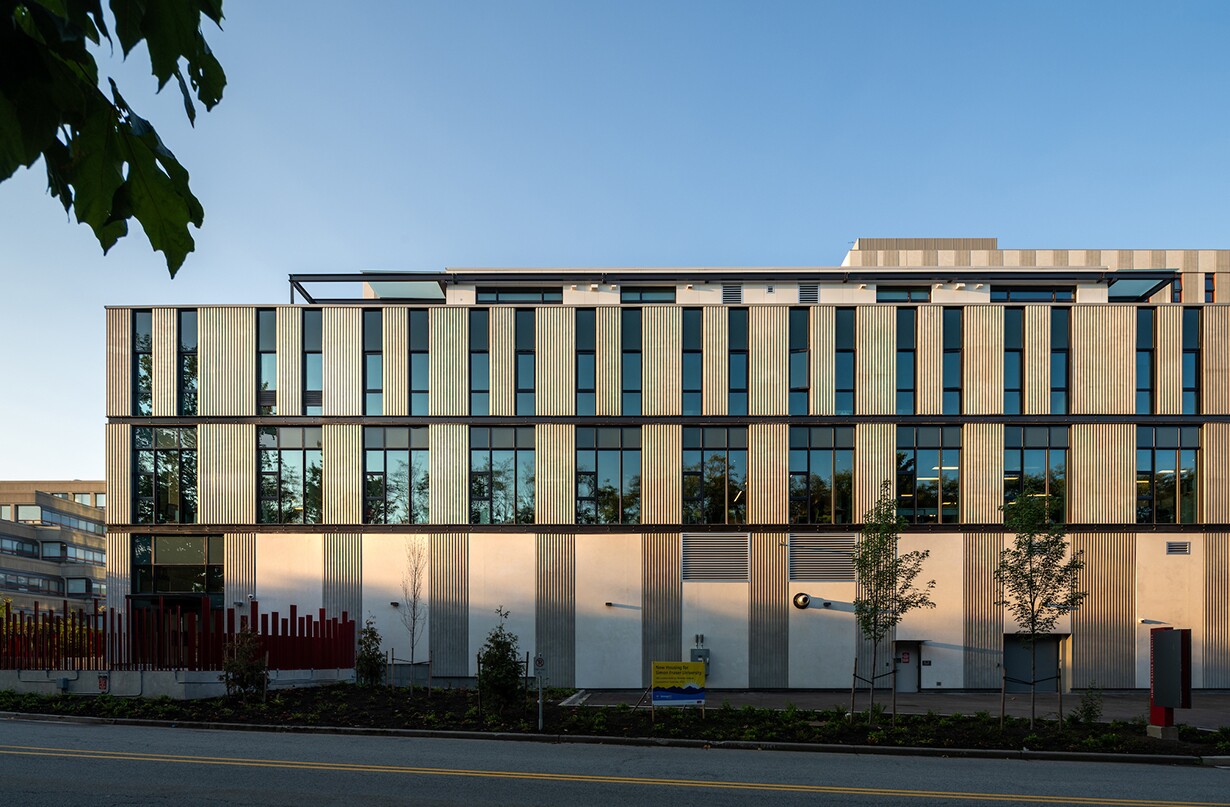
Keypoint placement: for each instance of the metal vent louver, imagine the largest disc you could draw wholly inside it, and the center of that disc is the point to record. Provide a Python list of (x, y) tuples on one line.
[(732, 294), (822, 557), (715, 557), (1178, 547), (809, 293)]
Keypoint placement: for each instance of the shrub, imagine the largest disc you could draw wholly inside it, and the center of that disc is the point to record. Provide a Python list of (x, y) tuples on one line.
[(1089, 710), (244, 669), (499, 666), (369, 661)]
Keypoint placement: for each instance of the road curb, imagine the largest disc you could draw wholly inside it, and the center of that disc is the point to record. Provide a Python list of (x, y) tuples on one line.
[(664, 742)]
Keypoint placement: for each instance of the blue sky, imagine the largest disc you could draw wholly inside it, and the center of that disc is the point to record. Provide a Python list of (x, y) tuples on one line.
[(420, 135)]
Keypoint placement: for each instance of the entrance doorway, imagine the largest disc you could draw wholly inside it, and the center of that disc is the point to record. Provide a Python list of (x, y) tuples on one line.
[(1017, 652), (909, 668)]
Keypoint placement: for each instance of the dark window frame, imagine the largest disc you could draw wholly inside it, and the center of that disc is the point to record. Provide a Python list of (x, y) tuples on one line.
[(266, 356), (143, 362), (631, 362), (943, 440), (952, 402), (1014, 360), (188, 376), (738, 370), (518, 443), (905, 368), (524, 324), (373, 361), (594, 447), (1178, 449), (692, 385), (478, 323), (488, 295), (819, 455), (419, 368), (312, 342), (586, 329), (382, 447), (799, 368), (647, 294), (1053, 443), (164, 500), (276, 445), (725, 449), (844, 356)]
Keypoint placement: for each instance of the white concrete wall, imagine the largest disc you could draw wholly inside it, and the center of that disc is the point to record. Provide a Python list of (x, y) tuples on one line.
[(460, 295), (699, 294), (384, 566), (1169, 594), (968, 293), (940, 629), (1092, 293), (782, 293), (847, 293), (289, 571), (720, 612), (822, 639), (608, 638), (583, 295), (501, 576)]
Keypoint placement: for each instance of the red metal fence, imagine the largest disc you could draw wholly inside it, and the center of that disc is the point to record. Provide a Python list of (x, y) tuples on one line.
[(169, 637)]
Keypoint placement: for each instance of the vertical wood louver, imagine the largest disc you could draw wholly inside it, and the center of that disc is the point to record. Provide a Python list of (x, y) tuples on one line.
[(983, 623), (342, 464), (342, 575), (449, 473), (768, 356), (768, 617), (876, 360), (119, 473), (448, 616), (608, 354), (555, 460), (119, 362), (449, 361), (1169, 353), (166, 364), (823, 386), (875, 452), (555, 371), (661, 473), (226, 458), (227, 345), (1102, 474), (929, 359), (982, 473), (555, 606), (1037, 360), (983, 360), (661, 600), (715, 362), (395, 347), (1217, 610), (1103, 359), (1215, 358), (768, 473), (663, 345), (503, 360), (1104, 627), (290, 360), (342, 361), (239, 566)]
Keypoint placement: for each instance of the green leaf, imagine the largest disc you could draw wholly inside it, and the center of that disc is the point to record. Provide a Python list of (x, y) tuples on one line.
[(129, 18)]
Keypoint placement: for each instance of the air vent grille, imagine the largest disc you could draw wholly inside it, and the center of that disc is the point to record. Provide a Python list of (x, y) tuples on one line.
[(1178, 547), (715, 557), (809, 293), (732, 293), (822, 557)]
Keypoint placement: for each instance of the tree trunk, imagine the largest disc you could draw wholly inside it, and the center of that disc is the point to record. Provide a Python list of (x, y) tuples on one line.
[(1033, 680), (875, 647)]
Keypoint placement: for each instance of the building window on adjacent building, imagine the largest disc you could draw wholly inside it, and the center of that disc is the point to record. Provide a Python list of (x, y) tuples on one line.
[(71, 553), (1014, 365), (1210, 286), (608, 475), (1176, 289), (647, 294), (313, 374), (267, 361), (290, 475), (800, 358), (420, 372), (373, 362), (143, 363), (952, 361), (693, 362), (34, 514), (738, 348), (903, 294), (905, 360), (1060, 346), (715, 475), (395, 475), (524, 337), (1191, 361), (166, 473), (18, 547), (587, 362), (480, 363), (502, 475), (1144, 360), (929, 474), (179, 564), (514, 294), (843, 361), (1166, 474), (31, 583), (630, 367), (821, 474), (188, 372), (1036, 464), (1032, 294)]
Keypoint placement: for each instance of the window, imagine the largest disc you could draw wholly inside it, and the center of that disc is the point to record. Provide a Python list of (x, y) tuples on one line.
[(715, 475), (395, 475), (1014, 367), (313, 376), (903, 294), (693, 362), (524, 337), (31, 583), (267, 361), (952, 361), (587, 338), (143, 363), (480, 363), (502, 475), (906, 335), (737, 345), (647, 294), (1191, 361), (800, 325), (608, 475), (179, 564), (1166, 476), (16, 546), (1032, 294), (630, 335), (420, 384), (373, 362), (71, 553), (165, 463), (821, 474), (1176, 289), (1210, 286), (843, 361), (1036, 464), (1144, 360), (929, 474), (187, 386), (290, 475), (1060, 345), (515, 294), (33, 514)]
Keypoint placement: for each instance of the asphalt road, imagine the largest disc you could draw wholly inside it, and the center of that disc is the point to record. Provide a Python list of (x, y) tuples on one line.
[(90, 764)]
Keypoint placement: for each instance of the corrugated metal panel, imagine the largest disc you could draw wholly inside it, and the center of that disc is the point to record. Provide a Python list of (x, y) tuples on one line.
[(662, 333), (395, 345), (1104, 627), (503, 360), (823, 349), (226, 479), (982, 473), (449, 615), (1169, 358), (342, 469), (875, 357), (715, 557), (449, 473), (1215, 473), (119, 362), (1037, 360), (449, 361), (769, 618), (661, 473), (119, 473), (768, 473), (166, 353), (875, 461), (1103, 359), (768, 360), (227, 365), (342, 585), (342, 360), (239, 569), (983, 623), (715, 360), (555, 607), (608, 353), (822, 558), (555, 366), (1215, 359), (1217, 610), (863, 649), (929, 360), (119, 569), (290, 359), (982, 382), (555, 462), (661, 601), (1102, 474)]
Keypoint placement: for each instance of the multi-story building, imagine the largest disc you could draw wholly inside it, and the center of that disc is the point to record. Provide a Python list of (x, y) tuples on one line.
[(52, 544), (637, 462)]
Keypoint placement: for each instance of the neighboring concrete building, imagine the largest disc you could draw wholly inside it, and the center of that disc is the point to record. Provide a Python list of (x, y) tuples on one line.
[(52, 543), (629, 460)]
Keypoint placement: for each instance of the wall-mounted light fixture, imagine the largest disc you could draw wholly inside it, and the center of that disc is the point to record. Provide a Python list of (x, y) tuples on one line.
[(395, 604)]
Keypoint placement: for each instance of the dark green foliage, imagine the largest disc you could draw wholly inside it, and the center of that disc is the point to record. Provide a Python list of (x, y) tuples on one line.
[(1089, 709), (104, 162), (500, 669), (369, 662), (244, 671)]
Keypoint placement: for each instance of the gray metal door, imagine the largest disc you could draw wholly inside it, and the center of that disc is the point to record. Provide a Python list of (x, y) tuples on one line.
[(1017, 653), (909, 671)]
